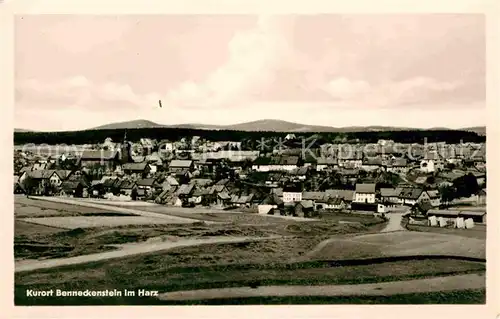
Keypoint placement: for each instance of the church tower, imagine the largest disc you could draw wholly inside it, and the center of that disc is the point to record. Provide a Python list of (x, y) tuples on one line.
[(126, 150)]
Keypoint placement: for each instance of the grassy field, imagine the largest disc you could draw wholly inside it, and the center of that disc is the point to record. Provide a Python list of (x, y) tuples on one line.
[(160, 272), (400, 244), (466, 297), (93, 230)]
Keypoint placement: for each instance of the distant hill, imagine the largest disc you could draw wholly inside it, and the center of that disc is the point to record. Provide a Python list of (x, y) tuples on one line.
[(21, 130), (129, 125), (480, 130), (270, 125)]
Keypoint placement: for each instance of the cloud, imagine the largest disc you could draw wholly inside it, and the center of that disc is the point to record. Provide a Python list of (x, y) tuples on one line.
[(254, 56), (417, 90), (79, 34), (79, 92), (342, 88)]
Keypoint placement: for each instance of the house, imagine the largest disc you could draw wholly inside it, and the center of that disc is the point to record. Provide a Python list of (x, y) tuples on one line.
[(181, 166), (300, 174), (421, 180), (96, 188), (127, 186), (199, 196), (18, 189), (323, 163), (276, 163), (107, 159), (427, 165), (41, 181), (389, 196), (140, 170), (335, 203), (292, 193), (481, 197), (201, 181), (350, 158), (434, 197), (111, 184), (371, 164), (365, 193), (421, 208), (243, 200), (74, 189), (185, 191), (304, 208), (346, 194), (410, 196), (148, 185), (398, 166), (269, 203), (40, 166)]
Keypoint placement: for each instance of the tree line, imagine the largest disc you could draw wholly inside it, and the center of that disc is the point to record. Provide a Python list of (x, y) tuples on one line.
[(174, 134)]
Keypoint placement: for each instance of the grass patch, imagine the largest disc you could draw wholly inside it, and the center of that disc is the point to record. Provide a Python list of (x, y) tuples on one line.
[(450, 297), (153, 272)]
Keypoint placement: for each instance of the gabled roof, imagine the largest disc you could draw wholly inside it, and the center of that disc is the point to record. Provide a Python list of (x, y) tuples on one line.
[(222, 181), (180, 163), (135, 166), (245, 199), (433, 194), (109, 182), (185, 189), (271, 199), (41, 174), (223, 196), (411, 193), (424, 206), (365, 188), (127, 184), (146, 182), (216, 189), (345, 194), (171, 181), (389, 192), (306, 203)]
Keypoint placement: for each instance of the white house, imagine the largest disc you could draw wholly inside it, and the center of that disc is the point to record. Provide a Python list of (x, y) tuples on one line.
[(292, 194), (365, 193), (427, 165), (434, 197)]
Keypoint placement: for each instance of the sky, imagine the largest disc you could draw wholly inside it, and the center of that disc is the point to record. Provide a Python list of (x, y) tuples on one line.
[(407, 70)]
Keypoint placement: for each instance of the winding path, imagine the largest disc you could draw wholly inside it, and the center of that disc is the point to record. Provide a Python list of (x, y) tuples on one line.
[(129, 250), (449, 283)]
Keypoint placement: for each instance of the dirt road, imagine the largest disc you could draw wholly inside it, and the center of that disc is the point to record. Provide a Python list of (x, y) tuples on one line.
[(394, 223), (128, 250), (119, 209), (450, 283)]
